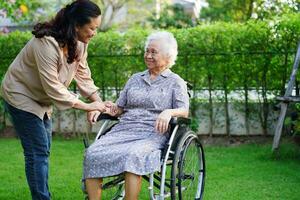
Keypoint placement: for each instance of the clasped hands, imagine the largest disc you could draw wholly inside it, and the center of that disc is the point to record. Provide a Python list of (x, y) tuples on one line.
[(102, 107)]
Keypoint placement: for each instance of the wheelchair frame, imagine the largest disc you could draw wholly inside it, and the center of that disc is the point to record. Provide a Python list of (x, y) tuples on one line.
[(169, 156)]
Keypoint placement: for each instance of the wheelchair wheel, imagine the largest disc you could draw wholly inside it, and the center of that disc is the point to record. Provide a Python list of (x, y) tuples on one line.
[(188, 169), (113, 188)]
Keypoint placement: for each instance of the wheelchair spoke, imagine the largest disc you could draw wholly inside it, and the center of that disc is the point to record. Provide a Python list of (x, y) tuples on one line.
[(188, 176)]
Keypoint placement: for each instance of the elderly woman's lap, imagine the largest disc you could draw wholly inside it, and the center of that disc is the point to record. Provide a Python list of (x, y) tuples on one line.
[(113, 155)]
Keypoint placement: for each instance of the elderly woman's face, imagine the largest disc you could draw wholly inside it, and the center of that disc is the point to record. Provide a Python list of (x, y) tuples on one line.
[(154, 58)]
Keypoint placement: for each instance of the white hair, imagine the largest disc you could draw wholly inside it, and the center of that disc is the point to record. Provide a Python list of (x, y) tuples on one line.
[(168, 44)]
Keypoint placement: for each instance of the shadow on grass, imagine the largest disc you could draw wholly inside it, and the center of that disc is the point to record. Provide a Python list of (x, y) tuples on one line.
[(288, 151)]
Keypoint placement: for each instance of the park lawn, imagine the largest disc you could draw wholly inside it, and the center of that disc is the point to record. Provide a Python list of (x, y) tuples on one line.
[(245, 172)]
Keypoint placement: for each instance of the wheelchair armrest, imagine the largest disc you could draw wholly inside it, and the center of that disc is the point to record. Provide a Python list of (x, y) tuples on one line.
[(180, 120), (104, 116)]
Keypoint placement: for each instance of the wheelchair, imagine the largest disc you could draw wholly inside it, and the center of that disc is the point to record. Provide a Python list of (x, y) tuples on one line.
[(182, 174)]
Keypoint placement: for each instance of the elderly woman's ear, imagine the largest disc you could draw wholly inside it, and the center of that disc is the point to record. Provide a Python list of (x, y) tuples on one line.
[(168, 60)]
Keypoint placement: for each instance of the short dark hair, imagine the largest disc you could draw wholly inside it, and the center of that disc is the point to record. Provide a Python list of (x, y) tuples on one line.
[(62, 26)]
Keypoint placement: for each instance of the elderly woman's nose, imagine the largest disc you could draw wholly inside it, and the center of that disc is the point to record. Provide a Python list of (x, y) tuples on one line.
[(148, 55)]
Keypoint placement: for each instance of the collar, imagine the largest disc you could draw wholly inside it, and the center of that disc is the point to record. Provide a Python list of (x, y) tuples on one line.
[(165, 73)]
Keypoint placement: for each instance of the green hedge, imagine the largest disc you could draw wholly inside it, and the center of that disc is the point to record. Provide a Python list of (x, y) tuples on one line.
[(257, 55), (210, 56)]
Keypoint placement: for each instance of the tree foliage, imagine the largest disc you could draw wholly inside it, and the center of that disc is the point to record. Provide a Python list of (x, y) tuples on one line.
[(124, 13), (172, 16), (110, 10), (243, 10), (29, 11)]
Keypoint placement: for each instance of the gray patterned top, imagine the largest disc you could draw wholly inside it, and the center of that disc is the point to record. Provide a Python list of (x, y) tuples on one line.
[(147, 98)]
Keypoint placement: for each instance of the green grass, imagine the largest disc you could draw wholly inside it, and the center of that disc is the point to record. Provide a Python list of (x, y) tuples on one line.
[(246, 172)]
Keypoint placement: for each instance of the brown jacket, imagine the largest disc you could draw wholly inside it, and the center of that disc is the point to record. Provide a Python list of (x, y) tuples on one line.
[(40, 75)]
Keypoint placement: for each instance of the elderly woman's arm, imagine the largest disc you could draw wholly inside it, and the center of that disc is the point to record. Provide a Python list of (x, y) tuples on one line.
[(180, 106), (163, 119)]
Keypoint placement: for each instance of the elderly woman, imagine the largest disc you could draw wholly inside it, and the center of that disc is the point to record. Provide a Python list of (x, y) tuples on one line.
[(145, 107)]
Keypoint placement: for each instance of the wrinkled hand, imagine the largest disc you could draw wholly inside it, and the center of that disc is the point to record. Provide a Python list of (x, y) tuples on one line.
[(92, 116), (162, 121), (111, 108), (96, 105)]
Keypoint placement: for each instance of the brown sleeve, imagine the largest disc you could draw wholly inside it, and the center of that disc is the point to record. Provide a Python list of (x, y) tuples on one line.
[(46, 54), (83, 77)]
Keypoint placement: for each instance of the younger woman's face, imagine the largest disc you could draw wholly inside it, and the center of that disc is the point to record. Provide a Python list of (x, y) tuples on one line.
[(87, 31)]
